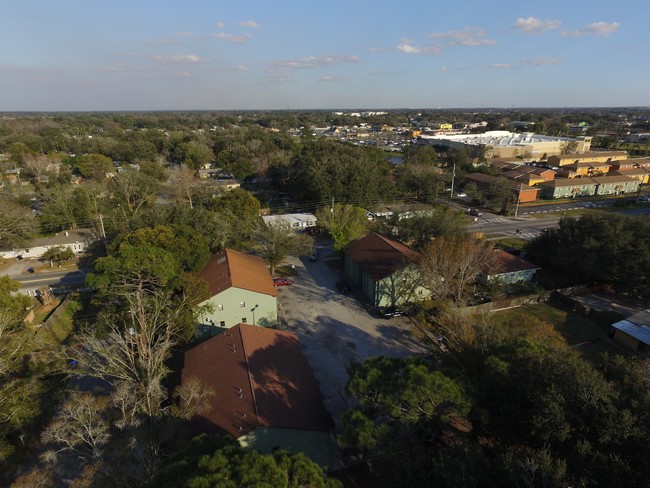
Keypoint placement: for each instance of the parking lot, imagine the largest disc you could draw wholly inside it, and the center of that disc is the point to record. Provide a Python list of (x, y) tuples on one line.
[(335, 329)]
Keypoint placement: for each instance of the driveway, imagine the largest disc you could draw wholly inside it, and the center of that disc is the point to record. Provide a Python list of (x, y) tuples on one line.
[(335, 329)]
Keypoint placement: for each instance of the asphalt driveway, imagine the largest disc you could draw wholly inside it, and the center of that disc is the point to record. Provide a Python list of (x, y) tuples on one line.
[(335, 329)]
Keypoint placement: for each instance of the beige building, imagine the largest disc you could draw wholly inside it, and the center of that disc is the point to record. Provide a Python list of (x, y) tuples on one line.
[(586, 157), (505, 144)]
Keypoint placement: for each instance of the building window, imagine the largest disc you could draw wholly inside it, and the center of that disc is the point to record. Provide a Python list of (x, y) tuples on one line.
[(219, 307), (242, 304), (222, 324), (243, 320)]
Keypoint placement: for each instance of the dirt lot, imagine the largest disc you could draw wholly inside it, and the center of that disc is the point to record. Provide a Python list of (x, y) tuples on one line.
[(335, 329)]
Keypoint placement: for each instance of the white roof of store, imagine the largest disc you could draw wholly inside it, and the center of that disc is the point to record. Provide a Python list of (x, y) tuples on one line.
[(297, 218), (499, 138)]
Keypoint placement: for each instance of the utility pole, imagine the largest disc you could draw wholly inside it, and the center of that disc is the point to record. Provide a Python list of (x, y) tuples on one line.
[(453, 176), (518, 198)]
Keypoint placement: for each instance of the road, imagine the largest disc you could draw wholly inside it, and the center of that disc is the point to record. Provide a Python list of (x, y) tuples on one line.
[(498, 226), (32, 282)]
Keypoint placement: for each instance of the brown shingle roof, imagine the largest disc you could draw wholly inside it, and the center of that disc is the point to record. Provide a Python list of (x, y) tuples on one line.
[(260, 379), (380, 256), (505, 262), (233, 268)]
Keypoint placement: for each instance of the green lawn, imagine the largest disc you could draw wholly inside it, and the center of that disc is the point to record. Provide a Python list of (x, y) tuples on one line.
[(511, 243), (59, 327), (575, 328)]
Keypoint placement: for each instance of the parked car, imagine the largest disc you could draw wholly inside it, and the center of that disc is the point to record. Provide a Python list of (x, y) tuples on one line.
[(391, 312), (343, 287), (282, 282), (473, 212), (461, 195), (314, 257)]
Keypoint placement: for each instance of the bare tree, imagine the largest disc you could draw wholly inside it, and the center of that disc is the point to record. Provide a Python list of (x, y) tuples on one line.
[(80, 428), (183, 185), (16, 223), (37, 165), (449, 265), (133, 190)]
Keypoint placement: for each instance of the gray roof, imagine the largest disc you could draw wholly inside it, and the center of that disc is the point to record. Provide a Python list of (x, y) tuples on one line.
[(639, 332), (64, 238)]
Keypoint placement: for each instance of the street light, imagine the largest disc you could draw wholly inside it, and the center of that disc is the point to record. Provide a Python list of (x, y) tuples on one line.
[(253, 310)]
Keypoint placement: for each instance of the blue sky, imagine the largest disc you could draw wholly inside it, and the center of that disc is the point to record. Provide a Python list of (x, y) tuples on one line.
[(290, 54)]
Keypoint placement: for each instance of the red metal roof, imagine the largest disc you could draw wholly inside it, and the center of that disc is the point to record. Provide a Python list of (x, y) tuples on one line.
[(260, 379), (380, 256), (233, 268)]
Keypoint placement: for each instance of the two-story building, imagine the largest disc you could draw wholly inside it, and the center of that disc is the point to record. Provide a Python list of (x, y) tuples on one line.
[(241, 291)]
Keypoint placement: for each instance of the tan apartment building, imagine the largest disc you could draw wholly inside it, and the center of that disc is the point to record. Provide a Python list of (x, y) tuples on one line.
[(586, 157)]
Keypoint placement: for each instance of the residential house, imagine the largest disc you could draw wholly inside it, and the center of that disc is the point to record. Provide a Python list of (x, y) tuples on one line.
[(385, 269), (77, 240), (506, 268), (297, 221), (641, 174), (584, 169), (586, 157), (634, 332), (567, 188), (241, 291), (265, 394), (616, 185)]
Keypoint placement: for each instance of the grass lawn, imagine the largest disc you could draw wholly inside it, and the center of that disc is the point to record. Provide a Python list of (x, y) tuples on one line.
[(59, 325), (511, 243), (575, 328)]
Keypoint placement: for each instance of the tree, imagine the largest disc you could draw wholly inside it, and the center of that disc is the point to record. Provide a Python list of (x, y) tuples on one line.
[(58, 254), (16, 223), (344, 223), (80, 428), (133, 190), (213, 461), (420, 229), (449, 265), (400, 401), (183, 185), (275, 241), (188, 247), (95, 166)]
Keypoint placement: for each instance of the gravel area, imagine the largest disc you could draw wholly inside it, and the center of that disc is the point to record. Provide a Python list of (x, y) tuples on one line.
[(335, 329)]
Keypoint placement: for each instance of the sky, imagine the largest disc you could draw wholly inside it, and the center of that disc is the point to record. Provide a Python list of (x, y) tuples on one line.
[(96, 55)]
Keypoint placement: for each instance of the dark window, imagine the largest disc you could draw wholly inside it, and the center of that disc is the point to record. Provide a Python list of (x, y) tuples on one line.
[(222, 324), (243, 320)]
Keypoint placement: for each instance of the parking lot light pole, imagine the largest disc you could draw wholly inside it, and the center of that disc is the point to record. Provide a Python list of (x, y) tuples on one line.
[(253, 310)]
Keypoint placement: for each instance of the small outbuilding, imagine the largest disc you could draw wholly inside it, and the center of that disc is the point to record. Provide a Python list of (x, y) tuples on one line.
[(633, 332)]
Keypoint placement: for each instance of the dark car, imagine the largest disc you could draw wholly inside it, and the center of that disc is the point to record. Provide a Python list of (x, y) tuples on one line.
[(389, 312), (474, 212), (282, 282), (314, 257), (343, 287)]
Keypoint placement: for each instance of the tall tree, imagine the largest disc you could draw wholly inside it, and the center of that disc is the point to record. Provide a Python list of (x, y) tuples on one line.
[(276, 241), (344, 223)]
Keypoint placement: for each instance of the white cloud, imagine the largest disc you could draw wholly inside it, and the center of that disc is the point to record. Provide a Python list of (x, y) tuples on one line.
[(533, 25), (598, 29), (311, 62), (221, 25), (500, 66), (241, 67), (467, 36), (406, 46), (375, 49), (231, 37), (331, 78), (249, 23), (542, 60), (191, 35), (177, 58), (444, 69)]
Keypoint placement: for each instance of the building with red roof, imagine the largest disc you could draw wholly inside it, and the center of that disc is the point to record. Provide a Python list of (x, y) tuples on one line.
[(241, 291), (265, 394)]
